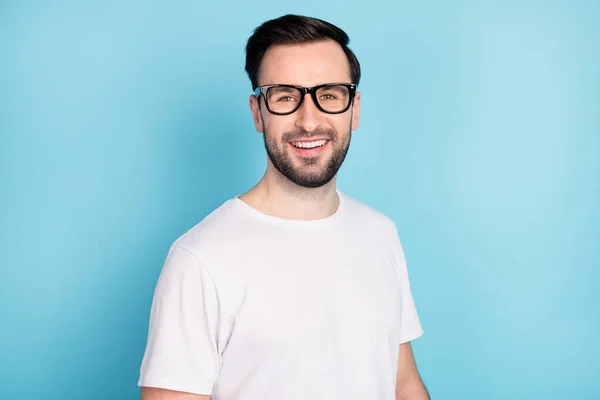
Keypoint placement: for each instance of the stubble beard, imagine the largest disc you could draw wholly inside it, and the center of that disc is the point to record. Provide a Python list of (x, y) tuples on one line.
[(307, 174)]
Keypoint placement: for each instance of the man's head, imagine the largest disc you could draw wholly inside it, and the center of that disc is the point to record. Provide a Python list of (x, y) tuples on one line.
[(307, 135)]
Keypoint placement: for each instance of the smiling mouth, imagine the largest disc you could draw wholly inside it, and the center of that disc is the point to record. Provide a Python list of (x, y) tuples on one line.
[(309, 145)]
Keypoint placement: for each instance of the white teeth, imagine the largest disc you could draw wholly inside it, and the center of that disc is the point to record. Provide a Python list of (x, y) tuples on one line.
[(309, 145)]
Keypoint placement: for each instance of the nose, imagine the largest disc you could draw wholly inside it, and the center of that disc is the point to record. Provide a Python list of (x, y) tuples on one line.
[(308, 116)]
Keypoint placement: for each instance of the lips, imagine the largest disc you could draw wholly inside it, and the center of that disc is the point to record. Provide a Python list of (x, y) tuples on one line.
[(309, 148), (309, 144)]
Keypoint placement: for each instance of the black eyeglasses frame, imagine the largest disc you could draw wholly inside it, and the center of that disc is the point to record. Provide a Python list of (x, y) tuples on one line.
[(304, 90)]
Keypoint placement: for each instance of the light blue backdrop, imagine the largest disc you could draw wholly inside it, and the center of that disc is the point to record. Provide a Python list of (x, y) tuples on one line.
[(122, 124)]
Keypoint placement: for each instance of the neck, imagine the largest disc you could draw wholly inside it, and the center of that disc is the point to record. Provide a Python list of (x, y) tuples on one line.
[(275, 195)]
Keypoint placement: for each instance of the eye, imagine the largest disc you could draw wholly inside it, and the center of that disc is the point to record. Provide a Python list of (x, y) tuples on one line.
[(286, 99), (328, 96)]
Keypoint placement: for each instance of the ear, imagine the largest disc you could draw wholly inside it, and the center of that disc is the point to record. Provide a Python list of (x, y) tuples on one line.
[(355, 111), (255, 108)]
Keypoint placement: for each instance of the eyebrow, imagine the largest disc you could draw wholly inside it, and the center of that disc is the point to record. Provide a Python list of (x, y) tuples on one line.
[(284, 89), (335, 89)]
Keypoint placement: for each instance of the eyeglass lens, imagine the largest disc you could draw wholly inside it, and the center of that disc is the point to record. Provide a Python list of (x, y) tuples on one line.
[(282, 99)]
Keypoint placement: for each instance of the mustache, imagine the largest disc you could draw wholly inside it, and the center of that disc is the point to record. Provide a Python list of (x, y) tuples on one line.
[(304, 134)]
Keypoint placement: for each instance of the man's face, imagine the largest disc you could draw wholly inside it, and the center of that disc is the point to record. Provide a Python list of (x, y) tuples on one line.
[(288, 137)]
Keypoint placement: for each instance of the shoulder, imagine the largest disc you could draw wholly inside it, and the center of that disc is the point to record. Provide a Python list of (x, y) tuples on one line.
[(368, 217), (223, 226)]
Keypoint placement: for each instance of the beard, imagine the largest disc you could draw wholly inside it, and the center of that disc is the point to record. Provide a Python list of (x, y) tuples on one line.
[(308, 173)]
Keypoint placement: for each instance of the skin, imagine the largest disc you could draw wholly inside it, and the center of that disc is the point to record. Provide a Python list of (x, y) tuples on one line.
[(305, 65)]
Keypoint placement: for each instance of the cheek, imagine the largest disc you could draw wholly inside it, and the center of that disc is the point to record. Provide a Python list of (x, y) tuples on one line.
[(276, 126), (342, 125)]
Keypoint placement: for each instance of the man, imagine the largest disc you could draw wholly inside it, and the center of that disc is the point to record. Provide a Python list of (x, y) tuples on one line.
[(292, 290)]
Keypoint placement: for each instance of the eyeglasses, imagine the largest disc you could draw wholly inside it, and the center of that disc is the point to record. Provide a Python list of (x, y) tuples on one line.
[(331, 98)]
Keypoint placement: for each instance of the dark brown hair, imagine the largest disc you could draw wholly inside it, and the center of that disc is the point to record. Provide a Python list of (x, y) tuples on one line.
[(294, 29)]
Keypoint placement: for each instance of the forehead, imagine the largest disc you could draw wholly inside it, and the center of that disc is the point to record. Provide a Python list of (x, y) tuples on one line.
[(306, 64)]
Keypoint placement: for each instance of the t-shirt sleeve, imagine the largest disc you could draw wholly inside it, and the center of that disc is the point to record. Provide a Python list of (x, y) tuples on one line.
[(181, 352), (410, 324)]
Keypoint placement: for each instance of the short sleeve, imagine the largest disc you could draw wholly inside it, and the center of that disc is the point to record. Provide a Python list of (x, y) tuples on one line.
[(181, 352), (410, 324)]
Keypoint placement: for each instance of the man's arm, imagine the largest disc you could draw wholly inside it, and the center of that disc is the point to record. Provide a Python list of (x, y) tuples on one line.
[(149, 393), (408, 382)]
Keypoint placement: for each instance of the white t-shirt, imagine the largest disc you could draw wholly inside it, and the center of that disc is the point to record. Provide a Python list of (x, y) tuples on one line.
[(253, 307)]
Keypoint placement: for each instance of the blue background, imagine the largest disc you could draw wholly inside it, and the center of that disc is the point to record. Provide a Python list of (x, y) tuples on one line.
[(122, 124)]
